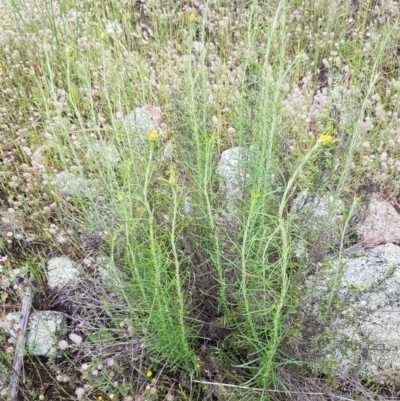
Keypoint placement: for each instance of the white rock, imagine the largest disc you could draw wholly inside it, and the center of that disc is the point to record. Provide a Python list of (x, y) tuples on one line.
[(61, 271)]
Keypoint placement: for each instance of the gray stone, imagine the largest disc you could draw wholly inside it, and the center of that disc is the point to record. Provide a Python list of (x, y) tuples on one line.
[(231, 170), (45, 329), (316, 215), (107, 270), (71, 184), (61, 271), (187, 206), (102, 152), (141, 121), (318, 207), (353, 307)]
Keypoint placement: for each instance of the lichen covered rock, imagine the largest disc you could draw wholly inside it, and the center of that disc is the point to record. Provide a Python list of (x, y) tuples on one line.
[(351, 316), (61, 271), (45, 329)]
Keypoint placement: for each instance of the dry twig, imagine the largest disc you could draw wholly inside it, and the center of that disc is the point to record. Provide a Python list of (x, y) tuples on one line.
[(21, 339)]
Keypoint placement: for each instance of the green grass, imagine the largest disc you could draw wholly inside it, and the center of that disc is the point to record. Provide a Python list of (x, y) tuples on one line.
[(270, 77)]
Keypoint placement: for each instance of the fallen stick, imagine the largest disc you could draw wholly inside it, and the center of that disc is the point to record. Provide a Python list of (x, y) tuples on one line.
[(21, 339)]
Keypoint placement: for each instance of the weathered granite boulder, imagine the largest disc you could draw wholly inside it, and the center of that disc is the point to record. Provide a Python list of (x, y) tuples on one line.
[(45, 329), (382, 223), (61, 271), (351, 315)]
